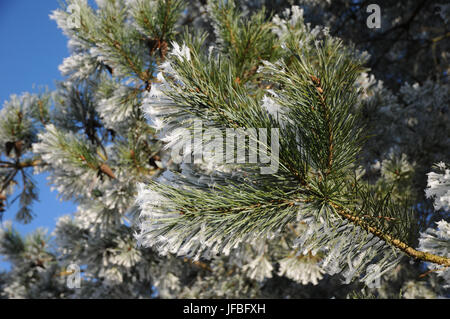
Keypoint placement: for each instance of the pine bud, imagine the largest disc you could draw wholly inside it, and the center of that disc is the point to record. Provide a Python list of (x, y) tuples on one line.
[(315, 80), (104, 168)]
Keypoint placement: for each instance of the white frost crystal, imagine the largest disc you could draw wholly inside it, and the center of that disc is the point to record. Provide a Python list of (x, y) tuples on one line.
[(259, 268), (439, 187), (301, 269), (437, 241)]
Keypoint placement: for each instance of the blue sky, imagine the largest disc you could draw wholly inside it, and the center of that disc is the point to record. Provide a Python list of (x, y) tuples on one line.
[(32, 48)]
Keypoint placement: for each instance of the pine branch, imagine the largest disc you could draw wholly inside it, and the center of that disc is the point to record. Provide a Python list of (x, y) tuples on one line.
[(318, 94), (424, 256)]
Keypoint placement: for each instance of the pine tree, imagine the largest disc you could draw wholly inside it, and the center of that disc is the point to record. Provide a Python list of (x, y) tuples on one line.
[(323, 196)]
